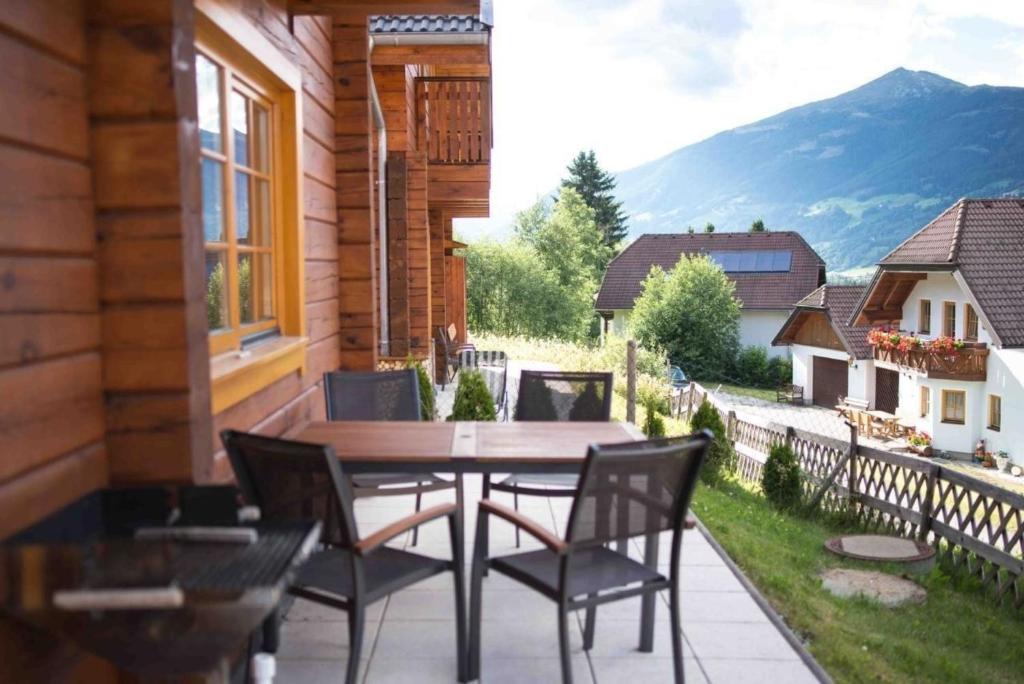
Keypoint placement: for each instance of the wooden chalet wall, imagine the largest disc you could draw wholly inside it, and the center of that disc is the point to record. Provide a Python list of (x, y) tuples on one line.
[(296, 398), (355, 196), (438, 277), (398, 255), (814, 329), (51, 416)]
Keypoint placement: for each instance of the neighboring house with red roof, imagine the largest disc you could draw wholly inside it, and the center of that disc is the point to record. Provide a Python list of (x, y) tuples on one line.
[(961, 276), (831, 358), (772, 271)]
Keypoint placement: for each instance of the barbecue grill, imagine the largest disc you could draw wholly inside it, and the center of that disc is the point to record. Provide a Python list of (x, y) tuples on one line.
[(157, 607)]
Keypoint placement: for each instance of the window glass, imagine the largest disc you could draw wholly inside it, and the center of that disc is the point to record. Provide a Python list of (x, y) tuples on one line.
[(926, 401), (924, 323), (954, 403), (995, 412), (208, 93), (970, 323), (260, 138), (213, 198), (242, 225), (240, 127), (216, 290), (949, 319)]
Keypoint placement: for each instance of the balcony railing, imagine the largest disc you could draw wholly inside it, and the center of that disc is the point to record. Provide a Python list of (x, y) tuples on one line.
[(454, 119), (969, 363)]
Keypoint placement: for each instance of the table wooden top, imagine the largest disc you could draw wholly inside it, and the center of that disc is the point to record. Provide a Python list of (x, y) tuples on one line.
[(528, 442)]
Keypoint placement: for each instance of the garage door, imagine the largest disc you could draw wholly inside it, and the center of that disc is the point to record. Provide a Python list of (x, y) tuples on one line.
[(830, 381)]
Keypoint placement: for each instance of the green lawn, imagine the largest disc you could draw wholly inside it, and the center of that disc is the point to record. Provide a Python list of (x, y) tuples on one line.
[(756, 392), (958, 635)]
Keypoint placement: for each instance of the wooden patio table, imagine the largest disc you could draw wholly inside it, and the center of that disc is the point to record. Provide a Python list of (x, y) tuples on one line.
[(466, 447)]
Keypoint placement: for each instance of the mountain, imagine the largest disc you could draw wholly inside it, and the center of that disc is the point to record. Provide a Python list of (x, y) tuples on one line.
[(856, 174)]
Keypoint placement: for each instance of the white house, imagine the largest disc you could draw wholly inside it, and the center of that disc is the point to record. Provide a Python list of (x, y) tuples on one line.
[(772, 272), (960, 277), (831, 358)]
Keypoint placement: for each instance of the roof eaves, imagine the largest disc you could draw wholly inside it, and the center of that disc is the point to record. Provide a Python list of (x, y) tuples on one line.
[(961, 280), (958, 224)]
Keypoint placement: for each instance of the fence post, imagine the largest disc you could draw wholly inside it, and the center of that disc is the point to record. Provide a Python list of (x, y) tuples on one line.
[(927, 505), (851, 489), (689, 401), (730, 426), (790, 434), (631, 381)]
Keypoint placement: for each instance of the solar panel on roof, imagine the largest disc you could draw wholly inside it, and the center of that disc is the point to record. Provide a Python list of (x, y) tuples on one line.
[(753, 261)]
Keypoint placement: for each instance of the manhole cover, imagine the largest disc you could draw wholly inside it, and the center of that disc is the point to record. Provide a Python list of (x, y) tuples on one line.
[(915, 556), (886, 589)]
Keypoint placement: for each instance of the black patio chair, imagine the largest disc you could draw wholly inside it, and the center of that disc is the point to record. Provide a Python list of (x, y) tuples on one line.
[(625, 490), (554, 396), (494, 367), (295, 481), (388, 395)]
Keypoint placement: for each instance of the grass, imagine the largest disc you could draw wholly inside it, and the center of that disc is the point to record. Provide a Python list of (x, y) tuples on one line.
[(738, 390), (959, 634)]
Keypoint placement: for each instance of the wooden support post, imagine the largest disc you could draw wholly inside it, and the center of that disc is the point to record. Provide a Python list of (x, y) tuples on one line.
[(689, 401), (398, 255), (928, 504), (631, 381), (852, 489)]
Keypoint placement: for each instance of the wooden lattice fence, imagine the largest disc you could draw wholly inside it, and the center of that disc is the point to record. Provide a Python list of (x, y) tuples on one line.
[(976, 526)]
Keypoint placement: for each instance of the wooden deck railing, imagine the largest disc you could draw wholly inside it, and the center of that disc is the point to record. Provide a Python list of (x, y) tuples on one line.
[(976, 526), (454, 119), (970, 363)]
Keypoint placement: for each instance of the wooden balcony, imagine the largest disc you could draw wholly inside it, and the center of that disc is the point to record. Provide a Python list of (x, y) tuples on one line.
[(454, 119), (970, 363)]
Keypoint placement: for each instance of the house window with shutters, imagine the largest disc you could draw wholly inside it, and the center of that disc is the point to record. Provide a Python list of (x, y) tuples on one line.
[(970, 323), (924, 317), (954, 406)]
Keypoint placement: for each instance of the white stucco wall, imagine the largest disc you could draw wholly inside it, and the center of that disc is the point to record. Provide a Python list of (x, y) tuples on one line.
[(1005, 378), (759, 328), (860, 376)]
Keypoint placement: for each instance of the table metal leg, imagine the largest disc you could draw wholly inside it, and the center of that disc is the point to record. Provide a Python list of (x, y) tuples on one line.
[(649, 601)]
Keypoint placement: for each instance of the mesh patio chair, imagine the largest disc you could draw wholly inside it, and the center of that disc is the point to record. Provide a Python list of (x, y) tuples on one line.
[(388, 395), (554, 396), (295, 481), (494, 367), (625, 490)]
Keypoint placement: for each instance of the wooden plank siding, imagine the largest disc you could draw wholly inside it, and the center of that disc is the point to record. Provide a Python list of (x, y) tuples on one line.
[(287, 403), (355, 198), (52, 417), (419, 254), (438, 299), (398, 254), (152, 287)]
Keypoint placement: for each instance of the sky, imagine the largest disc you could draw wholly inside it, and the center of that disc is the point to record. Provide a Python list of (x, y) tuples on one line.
[(637, 79)]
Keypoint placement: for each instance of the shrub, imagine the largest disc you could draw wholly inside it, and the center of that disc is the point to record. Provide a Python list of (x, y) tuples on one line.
[(651, 390), (752, 367), (473, 401), (780, 478), (780, 371), (720, 455), (654, 425), (428, 404)]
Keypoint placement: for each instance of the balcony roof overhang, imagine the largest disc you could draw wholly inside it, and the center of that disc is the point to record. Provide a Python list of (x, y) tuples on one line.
[(889, 288), (369, 7)]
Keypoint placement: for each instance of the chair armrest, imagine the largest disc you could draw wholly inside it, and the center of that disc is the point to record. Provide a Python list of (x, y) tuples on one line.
[(527, 525), (368, 544)]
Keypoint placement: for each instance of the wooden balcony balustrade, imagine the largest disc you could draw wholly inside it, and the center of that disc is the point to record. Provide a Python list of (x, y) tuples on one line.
[(454, 119), (969, 363)]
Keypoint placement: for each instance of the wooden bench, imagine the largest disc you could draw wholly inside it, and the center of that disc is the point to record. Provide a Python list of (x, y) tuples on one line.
[(790, 394)]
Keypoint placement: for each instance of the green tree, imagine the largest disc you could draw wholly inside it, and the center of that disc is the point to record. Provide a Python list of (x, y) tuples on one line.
[(690, 230), (596, 186), (691, 313), (473, 401), (709, 228), (758, 226)]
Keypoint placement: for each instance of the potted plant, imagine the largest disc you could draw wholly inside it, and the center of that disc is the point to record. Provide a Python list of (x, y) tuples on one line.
[(1002, 461), (988, 460), (920, 443)]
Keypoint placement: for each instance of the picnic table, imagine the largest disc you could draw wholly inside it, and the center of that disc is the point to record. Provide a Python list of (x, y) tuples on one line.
[(469, 447), (888, 421)]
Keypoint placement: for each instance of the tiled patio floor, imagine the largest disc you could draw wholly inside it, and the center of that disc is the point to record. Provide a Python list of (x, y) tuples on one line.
[(411, 635)]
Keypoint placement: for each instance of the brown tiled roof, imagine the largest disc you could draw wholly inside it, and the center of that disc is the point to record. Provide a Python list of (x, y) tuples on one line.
[(839, 302), (426, 23), (983, 239), (621, 284)]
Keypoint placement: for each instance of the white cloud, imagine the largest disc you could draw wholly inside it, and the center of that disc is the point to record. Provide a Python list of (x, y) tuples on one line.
[(636, 79)]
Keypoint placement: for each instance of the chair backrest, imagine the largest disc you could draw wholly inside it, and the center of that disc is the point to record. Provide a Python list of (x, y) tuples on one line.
[(387, 395), (676, 377), (635, 488), (558, 396), (292, 481), (453, 333), (492, 364)]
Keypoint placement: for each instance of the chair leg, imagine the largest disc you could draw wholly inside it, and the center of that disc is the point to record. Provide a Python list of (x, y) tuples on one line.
[(484, 536), (459, 572), (515, 503), (416, 530), (677, 629), (563, 643), (476, 598), (589, 626), (356, 626)]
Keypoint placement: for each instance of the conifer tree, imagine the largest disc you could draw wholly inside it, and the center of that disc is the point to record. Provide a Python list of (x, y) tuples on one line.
[(596, 186), (757, 226)]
